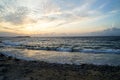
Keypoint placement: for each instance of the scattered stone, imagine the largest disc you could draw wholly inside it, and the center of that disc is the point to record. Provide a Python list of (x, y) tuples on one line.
[(3, 69), (2, 59), (16, 69), (0, 41), (16, 59), (1, 55), (2, 77)]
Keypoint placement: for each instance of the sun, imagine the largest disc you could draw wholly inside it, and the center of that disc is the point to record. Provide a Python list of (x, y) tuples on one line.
[(29, 28)]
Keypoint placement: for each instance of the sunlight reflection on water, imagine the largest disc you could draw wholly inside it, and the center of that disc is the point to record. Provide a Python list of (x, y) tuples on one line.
[(63, 57)]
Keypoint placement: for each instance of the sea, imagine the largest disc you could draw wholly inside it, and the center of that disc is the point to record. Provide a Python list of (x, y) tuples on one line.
[(64, 50)]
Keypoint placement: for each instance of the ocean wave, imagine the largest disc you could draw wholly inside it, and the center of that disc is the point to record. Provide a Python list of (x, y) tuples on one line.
[(62, 57), (101, 50), (71, 49), (10, 43), (79, 50), (57, 48), (64, 49)]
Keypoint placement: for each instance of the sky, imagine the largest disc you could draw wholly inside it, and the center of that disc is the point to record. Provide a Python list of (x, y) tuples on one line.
[(57, 17)]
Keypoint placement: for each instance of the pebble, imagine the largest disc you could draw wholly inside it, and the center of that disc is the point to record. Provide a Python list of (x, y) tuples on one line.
[(2, 77)]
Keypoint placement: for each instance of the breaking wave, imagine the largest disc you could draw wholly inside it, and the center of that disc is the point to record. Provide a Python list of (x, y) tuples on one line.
[(57, 48)]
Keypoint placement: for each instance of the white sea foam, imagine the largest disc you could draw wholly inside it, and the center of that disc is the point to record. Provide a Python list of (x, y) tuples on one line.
[(86, 45), (64, 49), (69, 49), (63, 57), (101, 50), (7, 42)]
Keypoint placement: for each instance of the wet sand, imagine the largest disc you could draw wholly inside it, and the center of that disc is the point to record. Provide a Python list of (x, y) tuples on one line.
[(15, 69)]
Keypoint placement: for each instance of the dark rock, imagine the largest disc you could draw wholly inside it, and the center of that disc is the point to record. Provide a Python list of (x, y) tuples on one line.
[(16, 59), (0, 41), (1, 55), (3, 69), (26, 71), (9, 58), (2, 77)]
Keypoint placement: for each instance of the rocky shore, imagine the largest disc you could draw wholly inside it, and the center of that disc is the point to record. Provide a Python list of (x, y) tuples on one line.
[(15, 69)]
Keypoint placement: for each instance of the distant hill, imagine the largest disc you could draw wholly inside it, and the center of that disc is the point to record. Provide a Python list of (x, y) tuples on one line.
[(22, 36), (107, 32)]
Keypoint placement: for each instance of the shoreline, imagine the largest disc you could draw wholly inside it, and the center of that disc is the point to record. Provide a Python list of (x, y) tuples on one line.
[(16, 69)]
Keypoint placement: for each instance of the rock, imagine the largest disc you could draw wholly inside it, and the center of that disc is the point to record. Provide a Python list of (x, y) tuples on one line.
[(2, 77), (0, 41), (9, 58), (3, 69), (16, 59), (2, 59), (1, 55), (26, 78)]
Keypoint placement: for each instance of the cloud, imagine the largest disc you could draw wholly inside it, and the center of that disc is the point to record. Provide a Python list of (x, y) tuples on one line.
[(2, 34), (10, 28), (48, 11), (102, 6), (106, 32), (12, 12), (78, 13), (17, 16), (23, 15)]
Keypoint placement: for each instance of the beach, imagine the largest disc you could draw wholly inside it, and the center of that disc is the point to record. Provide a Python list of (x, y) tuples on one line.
[(16, 69), (59, 39)]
